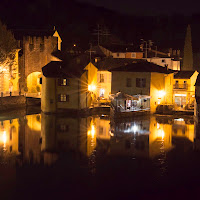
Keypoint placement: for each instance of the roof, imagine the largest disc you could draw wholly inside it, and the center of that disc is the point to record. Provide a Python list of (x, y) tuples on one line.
[(19, 33), (122, 95), (69, 68), (198, 81), (143, 66), (183, 74), (96, 51), (122, 48), (53, 69), (110, 63)]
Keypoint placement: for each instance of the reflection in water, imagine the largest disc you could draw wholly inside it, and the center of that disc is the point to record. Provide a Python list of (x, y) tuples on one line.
[(41, 138)]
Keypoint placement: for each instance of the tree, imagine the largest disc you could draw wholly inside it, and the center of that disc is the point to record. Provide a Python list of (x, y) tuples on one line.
[(8, 53), (188, 55)]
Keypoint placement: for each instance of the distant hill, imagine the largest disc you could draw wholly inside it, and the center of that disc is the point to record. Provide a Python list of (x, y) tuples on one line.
[(76, 22)]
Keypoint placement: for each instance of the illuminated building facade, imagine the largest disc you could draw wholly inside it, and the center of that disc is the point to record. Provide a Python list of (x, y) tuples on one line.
[(68, 86), (184, 89), (37, 49), (144, 78)]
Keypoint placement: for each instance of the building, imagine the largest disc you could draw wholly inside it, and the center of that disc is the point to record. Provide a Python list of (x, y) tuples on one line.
[(104, 76), (37, 48), (68, 85), (144, 78), (184, 89)]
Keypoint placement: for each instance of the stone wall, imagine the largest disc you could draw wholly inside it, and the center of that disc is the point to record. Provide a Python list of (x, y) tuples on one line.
[(36, 54), (13, 102)]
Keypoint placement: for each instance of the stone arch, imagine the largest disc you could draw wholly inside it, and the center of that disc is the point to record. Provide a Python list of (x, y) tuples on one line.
[(33, 82)]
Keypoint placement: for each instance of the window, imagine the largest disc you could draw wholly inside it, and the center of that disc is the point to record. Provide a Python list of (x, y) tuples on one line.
[(63, 98), (42, 44), (133, 55), (117, 54), (163, 60), (63, 82), (41, 80), (128, 82), (102, 92), (101, 78), (64, 128), (31, 44), (141, 82)]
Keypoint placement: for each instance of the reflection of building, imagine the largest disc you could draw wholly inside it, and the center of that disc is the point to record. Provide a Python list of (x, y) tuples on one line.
[(150, 137), (9, 134), (32, 139)]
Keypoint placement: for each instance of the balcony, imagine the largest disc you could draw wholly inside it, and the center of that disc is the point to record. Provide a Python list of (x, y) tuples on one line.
[(181, 86)]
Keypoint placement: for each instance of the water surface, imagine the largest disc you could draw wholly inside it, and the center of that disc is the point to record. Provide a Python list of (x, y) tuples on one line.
[(46, 156)]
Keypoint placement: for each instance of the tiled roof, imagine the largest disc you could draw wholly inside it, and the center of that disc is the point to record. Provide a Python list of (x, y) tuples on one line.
[(53, 69), (71, 67), (122, 48), (183, 74), (143, 66), (110, 63)]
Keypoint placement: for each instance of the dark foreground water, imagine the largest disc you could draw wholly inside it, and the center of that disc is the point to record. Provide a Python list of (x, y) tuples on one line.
[(49, 157)]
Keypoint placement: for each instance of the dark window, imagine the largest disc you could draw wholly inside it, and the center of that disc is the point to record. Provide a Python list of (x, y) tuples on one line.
[(128, 82), (163, 60), (141, 82), (63, 98), (117, 54), (63, 128), (101, 78), (31, 44), (63, 82), (41, 80)]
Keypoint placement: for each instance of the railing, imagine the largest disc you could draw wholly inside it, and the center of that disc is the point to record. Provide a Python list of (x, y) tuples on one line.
[(16, 93), (181, 86)]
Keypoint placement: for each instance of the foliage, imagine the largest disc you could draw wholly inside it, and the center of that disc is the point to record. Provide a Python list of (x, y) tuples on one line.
[(8, 48)]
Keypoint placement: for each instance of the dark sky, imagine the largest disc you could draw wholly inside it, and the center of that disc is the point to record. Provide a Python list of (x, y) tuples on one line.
[(149, 7)]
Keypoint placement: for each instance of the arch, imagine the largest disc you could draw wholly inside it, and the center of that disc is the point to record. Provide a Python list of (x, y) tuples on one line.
[(33, 82)]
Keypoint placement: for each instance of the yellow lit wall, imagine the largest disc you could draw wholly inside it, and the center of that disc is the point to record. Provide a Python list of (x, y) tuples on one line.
[(33, 81), (106, 85), (160, 82), (59, 39), (92, 76)]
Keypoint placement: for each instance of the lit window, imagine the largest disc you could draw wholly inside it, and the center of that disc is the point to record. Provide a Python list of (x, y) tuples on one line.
[(102, 92), (133, 55), (63, 98), (63, 82), (101, 78)]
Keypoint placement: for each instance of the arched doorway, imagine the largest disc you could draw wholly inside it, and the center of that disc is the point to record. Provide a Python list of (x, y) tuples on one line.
[(33, 83)]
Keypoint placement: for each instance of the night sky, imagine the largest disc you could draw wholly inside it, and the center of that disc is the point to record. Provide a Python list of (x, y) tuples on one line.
[(149, 7)]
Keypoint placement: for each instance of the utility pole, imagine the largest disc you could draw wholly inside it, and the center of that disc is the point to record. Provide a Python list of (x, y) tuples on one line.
[(99, 32)]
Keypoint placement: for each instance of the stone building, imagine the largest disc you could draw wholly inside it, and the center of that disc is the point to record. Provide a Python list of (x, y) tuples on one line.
[(37, 49)]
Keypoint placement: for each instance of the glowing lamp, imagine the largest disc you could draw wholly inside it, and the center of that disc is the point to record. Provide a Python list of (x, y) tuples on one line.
[(161, 93), (91, 88)]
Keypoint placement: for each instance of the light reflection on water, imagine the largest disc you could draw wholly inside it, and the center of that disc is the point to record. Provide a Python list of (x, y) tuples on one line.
[(41, 138)]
